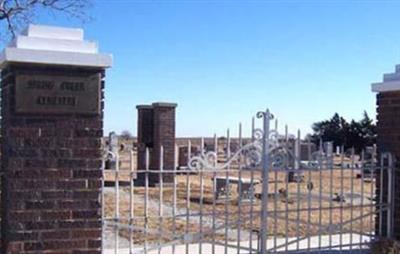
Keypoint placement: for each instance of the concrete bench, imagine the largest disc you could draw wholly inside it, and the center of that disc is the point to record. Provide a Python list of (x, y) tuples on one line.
[(245, 186)]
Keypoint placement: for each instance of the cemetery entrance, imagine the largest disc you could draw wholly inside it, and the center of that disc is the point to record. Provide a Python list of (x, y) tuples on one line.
[(262, 193)]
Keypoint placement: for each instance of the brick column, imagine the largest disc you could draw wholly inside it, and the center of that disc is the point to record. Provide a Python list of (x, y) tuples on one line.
[(156, 128), (51, 128), (144, 141), (164, 135), (52, 175), (388, 141)]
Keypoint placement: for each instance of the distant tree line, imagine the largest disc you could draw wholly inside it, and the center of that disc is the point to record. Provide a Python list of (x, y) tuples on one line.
[(353, 134), (125, 134)]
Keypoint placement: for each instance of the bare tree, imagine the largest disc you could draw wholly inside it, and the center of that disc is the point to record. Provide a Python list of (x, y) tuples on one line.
[(16, 14)]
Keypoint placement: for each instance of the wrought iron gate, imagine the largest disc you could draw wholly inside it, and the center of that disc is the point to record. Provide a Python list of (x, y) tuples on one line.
[(266, 194)]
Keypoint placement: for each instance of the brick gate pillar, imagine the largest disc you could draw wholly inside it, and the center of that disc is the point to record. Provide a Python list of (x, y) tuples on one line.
[(156, 128), (144, 142), (164, 135), (51, 129), (388, 140)]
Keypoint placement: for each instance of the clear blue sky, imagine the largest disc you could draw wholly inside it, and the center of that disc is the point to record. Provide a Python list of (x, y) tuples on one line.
[(222, 61)]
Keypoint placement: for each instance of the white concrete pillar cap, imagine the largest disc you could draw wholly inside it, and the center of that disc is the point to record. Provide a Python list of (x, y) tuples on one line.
[(390, 83), (56, 46)]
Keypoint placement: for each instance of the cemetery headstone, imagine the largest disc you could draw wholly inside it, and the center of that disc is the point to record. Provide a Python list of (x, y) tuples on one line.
[(113, 147)]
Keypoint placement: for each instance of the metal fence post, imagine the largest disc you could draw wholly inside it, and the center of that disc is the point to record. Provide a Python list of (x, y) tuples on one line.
[(265, 170)]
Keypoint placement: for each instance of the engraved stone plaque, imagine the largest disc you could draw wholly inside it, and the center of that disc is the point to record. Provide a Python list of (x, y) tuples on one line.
[(57, 94)]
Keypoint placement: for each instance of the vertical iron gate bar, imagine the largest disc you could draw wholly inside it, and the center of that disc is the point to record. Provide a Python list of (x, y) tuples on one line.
[(116, 219), (373, 176), (227, 189), (239, 191), (146, 199), (265, 170), (174, 202), (352, 199), (381, 172), (275, 197), (214, 191), (341, 195), (188, 200), (252, 189), (330, 168), (320, 199), (287, 176), (131, 202), (161, 197), (201, 201), (309, 189), (297, 172), (362, 198)]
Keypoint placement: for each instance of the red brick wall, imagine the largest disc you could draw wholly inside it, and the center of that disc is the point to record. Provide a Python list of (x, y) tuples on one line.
[(156, 128), (51, 185), (388, 128), (144, 133), (145, 141), (164, 135)]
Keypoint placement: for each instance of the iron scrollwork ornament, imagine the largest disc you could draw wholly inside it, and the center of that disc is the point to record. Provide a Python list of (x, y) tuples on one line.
[(280, 156)]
